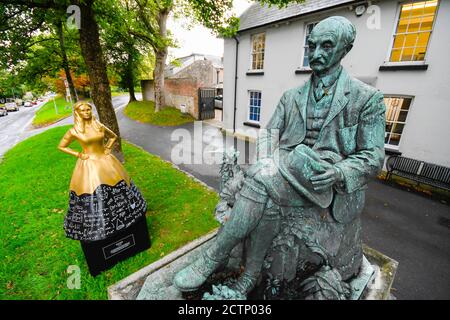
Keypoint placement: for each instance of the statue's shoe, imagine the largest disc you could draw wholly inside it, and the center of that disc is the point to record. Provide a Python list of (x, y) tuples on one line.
[(194, 275)]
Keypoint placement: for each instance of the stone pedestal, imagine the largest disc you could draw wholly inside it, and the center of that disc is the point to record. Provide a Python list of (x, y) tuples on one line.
[(154, 282)]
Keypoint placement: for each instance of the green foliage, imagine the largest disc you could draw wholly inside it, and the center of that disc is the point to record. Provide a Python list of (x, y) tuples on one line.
[(30, 49), (213, 15), (146, 66), (35, 253), (8, 84), (17, 25), (129, 57), (145, 25), (280, 3), (130, 32), (231, 29), (144, 111), (176, 63)]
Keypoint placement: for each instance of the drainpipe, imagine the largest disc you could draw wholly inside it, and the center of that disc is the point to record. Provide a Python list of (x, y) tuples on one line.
[(235, 84)]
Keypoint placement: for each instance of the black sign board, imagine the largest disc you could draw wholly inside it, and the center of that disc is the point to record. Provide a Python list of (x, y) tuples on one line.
[(104, 254)]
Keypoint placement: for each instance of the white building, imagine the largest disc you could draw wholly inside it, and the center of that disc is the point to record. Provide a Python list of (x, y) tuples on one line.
[(402, 48)]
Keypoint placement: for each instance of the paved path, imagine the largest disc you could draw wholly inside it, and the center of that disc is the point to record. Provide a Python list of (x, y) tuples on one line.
[(415, 231), (410, 228)]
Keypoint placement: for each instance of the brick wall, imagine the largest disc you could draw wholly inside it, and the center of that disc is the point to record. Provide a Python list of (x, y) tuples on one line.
[(182, 88), (182, 91)]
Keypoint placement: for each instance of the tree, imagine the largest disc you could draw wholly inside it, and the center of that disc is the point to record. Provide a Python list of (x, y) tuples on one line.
[(65, 60), (24, 29), (92, 53), (93, 56), (151, 26), (124, 51)]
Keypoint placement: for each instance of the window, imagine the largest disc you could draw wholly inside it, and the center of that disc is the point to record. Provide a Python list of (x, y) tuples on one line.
[(396, 112), (255, 106), (413, 31), (258, 47), (309, 27)]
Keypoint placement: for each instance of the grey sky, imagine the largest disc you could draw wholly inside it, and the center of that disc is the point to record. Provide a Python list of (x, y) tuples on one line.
[(199, 39)]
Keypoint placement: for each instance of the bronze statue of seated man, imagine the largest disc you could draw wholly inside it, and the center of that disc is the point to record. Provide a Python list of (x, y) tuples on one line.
[(325, 139)]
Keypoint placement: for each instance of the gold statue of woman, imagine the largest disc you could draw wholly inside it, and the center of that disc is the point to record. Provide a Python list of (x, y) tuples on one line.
[(103, 198)]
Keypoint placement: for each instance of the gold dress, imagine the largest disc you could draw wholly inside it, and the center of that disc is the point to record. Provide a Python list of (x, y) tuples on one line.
[(103, 199)]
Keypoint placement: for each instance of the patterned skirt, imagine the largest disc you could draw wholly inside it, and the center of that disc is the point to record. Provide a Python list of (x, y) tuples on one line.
[(99, 214)]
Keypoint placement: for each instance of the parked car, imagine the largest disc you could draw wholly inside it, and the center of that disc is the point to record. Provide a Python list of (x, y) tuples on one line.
[(3, 111), (11, 106), (218, 102), (27, 104)]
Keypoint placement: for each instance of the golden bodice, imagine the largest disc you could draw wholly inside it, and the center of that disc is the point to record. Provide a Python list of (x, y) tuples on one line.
[(100, 168), (92, 142)]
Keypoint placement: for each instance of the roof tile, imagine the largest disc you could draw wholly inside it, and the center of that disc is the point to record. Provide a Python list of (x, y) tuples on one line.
[(258, 15)]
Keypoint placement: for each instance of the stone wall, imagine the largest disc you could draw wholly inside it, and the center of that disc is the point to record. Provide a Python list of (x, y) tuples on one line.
[(201, 71)]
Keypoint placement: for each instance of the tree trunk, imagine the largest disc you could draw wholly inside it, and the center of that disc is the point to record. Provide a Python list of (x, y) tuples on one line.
[(65, 61), (96, 67), (160, 62), (130, 78)]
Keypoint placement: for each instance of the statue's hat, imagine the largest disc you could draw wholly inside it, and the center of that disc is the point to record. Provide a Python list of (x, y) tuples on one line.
[(299, 167)]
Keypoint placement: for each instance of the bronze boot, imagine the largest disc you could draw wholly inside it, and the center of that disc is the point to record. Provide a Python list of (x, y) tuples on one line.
[(244, 217), (194, 275)]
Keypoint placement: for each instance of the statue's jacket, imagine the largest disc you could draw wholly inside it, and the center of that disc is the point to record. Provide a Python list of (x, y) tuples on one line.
[(351, 139)]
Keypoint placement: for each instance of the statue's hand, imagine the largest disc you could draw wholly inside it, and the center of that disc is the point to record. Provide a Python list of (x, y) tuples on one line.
[(107, 151), (326, 179), (83, 156)]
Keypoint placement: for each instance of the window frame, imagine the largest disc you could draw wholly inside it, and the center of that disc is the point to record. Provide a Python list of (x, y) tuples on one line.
[(305, 30), (387, 61), (252, 36), (249, 92), (411, 105)]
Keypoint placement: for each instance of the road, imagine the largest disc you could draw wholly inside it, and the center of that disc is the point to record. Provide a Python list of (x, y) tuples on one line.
[(14, 126)]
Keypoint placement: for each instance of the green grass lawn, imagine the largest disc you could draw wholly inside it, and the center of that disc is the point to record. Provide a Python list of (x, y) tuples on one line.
[(118, 94), (47, 115), (35, 254), (144, 111)]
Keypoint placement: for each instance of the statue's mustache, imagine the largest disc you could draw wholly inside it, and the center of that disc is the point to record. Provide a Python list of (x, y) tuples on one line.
[(317, 60)]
